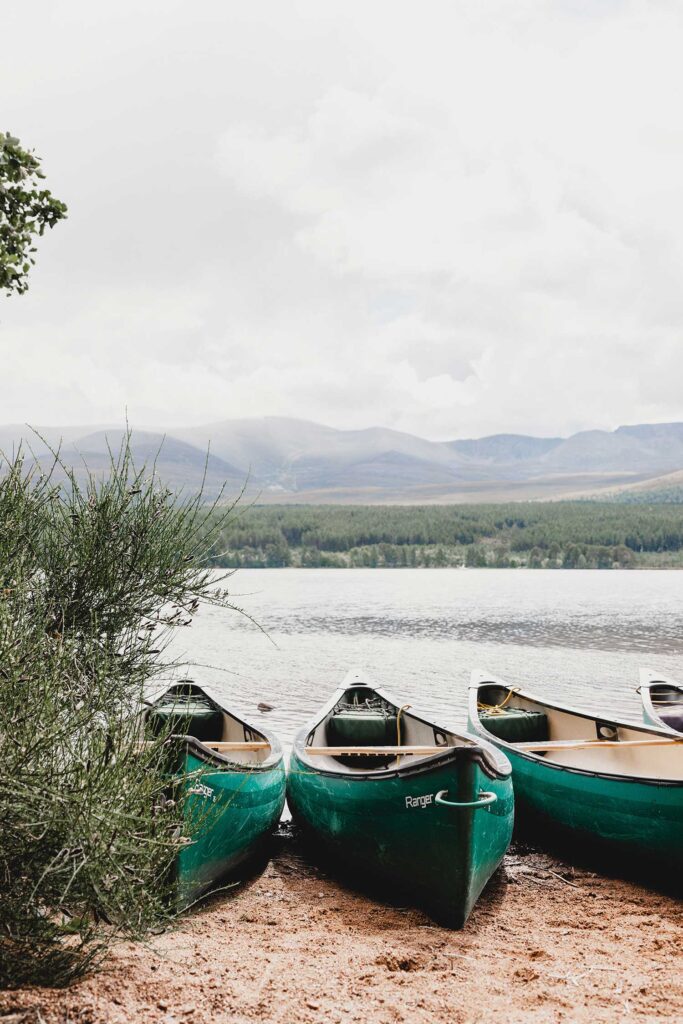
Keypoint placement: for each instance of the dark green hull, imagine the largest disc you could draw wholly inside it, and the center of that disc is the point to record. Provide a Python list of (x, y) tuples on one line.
[(232, 799), (629, 823), (642, 822), (236, 809), (390, 828)]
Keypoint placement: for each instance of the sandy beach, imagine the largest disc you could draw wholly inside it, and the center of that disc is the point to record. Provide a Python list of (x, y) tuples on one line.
[(546, 942)]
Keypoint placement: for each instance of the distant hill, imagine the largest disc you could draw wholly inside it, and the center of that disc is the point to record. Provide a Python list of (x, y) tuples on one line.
[(296, 461), (660, 490), (179, 465), (508, 447)]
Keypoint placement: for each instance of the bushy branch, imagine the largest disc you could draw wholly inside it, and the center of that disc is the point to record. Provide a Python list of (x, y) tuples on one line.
[(94, 578)]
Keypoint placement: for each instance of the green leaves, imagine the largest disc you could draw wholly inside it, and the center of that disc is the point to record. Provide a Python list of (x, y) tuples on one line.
[(94, 577), (25, 212)]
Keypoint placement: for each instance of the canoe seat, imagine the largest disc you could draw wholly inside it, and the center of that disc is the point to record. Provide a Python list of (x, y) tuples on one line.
[(516, 725), (358, 726), (361, 728), (186, 717)]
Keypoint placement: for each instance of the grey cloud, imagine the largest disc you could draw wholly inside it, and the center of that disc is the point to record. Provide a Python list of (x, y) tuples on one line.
[(453, 225)]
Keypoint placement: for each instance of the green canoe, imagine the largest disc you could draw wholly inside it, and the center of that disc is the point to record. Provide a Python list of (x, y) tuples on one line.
[(662, 701), (596, 784), (237, 788), (402, 801)]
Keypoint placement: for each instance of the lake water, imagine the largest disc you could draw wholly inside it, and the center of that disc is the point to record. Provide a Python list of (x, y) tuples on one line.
[(579, 635)]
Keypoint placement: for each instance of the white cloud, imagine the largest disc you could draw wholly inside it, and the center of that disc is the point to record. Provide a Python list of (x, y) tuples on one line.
[(453, 220)]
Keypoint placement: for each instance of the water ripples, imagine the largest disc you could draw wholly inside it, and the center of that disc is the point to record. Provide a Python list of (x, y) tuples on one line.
[(578, 636)]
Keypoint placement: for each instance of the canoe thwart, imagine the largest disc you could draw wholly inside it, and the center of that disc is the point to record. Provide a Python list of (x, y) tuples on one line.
[(378, 751), (234, 745)]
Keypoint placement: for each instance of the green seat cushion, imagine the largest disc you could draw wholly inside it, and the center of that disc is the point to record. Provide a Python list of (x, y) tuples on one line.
[(361, 728), (516, 725), (186, 717)]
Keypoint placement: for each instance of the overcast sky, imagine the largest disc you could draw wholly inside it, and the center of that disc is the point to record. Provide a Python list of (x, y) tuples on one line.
[(452, 218)]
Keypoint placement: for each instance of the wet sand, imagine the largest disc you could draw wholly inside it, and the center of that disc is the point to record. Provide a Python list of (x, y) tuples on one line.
[(546, 942)]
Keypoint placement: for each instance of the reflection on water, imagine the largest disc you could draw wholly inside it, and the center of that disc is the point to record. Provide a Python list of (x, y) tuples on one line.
[(419, 632), (589, 632)]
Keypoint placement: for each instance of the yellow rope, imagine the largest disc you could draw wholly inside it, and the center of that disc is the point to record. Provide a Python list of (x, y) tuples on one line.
[(497, 709)]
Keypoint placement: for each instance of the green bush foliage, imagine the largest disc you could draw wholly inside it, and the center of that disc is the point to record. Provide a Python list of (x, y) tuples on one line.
[(93, 581)]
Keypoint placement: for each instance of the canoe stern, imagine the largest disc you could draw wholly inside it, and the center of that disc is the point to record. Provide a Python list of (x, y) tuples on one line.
[(434, 833), (230, 815)]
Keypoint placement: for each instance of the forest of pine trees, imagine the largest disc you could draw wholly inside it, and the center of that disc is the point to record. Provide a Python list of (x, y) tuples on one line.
[(568, 535)]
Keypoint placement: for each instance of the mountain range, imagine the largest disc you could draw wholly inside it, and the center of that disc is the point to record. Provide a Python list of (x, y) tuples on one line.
[(290, 460)]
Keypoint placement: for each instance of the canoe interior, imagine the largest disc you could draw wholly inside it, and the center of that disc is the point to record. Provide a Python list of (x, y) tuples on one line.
[(362, 717), (185, 709), (667, 703), (515, 718)]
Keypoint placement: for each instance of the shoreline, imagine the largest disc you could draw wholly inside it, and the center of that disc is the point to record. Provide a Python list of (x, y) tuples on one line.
[(545, 942), (441, 568)]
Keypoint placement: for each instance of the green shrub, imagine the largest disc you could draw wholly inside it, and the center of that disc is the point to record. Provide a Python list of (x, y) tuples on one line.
[(94, 579)]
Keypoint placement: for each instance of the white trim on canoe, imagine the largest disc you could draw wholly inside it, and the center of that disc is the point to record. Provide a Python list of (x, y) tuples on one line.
[(262, 750), (413, 721), (614, 748)]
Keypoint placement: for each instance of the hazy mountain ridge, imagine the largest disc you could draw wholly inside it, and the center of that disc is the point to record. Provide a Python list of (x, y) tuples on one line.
[(299, 460), (511, 447)]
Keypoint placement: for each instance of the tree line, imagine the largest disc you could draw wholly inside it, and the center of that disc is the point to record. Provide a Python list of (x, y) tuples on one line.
[(568, 535)]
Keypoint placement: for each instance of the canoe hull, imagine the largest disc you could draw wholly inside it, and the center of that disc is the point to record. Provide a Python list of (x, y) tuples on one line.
[(391, 831), (231, 814), (630, 823), (642, 821)]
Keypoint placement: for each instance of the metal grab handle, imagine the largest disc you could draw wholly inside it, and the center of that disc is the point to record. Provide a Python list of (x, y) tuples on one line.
[(484, 800)]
